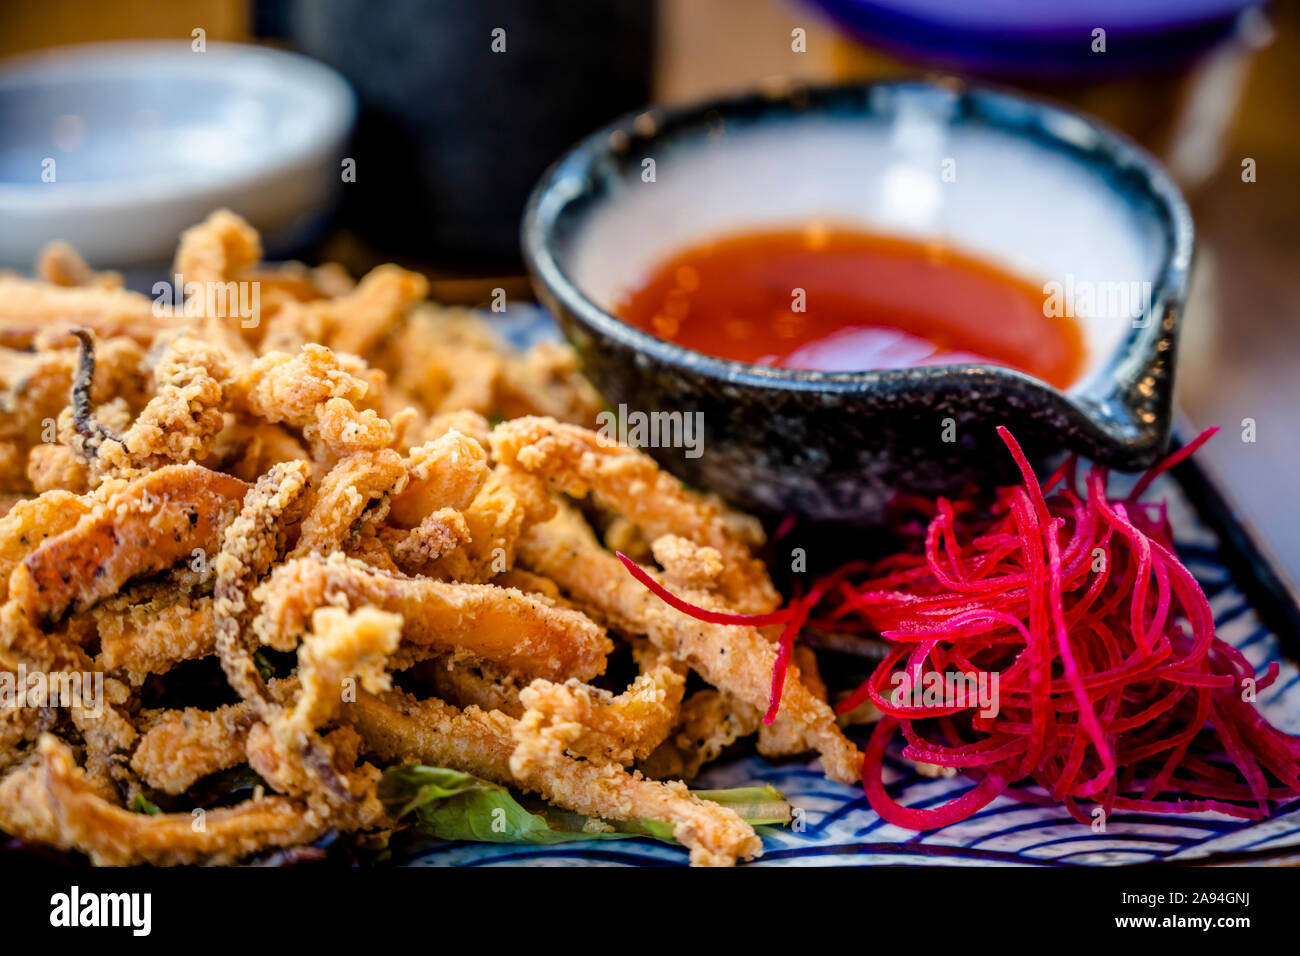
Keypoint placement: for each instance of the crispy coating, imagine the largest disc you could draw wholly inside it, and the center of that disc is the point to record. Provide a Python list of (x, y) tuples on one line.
[(594, 723), (252, 542), (57, 468), (158, 519), (738, 660), (508, 503), (52, 802), (507, 627), (30, 310), (179, 423), (315, 391), (547, 381), (217, 249), (439, 534), (446, 472), (153, 635), (577, 461), (179, 487), (685, 564), (342, 647), (467, 684), (187, 745), (28, 524), (358, 321), (359, 486), (490, 744)]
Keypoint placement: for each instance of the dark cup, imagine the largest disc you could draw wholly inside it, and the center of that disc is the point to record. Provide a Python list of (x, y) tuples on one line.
[(452, 133)]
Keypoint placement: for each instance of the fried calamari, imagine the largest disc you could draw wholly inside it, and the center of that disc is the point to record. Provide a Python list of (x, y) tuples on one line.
[(289, 546)]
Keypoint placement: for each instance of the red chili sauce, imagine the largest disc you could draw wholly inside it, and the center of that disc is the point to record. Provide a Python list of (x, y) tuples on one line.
[(835, 299)]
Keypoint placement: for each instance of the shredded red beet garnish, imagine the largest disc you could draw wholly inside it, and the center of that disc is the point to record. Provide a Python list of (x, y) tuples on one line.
[(1103, 679)]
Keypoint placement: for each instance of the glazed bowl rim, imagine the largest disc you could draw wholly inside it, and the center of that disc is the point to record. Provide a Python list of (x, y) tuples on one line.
[(1096, 406)]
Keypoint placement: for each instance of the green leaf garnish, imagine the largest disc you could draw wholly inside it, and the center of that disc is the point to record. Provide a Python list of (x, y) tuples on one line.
[(142, 804), (452, 805)]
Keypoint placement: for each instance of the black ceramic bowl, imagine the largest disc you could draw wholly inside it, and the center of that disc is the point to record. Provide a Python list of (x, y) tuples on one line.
[(1047, 193)]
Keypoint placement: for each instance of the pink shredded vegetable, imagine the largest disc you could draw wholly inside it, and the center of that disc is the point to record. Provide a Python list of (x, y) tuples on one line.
[(1112, 687)]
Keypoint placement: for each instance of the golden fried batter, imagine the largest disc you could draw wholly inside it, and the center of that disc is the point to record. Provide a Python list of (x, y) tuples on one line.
[(594, 723), (175, 513), (181, 488), (737, 660), (577, 461), (507, 627), (51, 802)]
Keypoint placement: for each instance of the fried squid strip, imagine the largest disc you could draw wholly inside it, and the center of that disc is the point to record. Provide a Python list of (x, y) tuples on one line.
[(447, 472), (356, 488), (180, 747), (154, 635), (152, 523), (509, 502), (395, 726), (358, 321), (438, 535), (594, 723), (316, 392), (51, 802), (548, 380), (180, 423), (252, 542), (519, 632), (219, 248), (478, 685), (341, 648), (578, 461), (738, 660), (184, 746), (30, 309), (783, 740), (106, 730), (709, 723), (29, 523), (715, 835)]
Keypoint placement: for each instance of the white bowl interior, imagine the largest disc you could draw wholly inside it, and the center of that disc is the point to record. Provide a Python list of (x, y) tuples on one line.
[(148, 135), (1038, 212)]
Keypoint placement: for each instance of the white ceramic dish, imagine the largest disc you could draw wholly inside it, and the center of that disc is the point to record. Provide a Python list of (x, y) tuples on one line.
[(143, 139)]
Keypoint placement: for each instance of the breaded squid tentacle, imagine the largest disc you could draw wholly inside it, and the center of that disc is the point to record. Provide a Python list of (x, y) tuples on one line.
[(252, 542), (577, 461), (738, 660), (518, 631), (594, 723), (52, 802), (396, 726), (154, 522)]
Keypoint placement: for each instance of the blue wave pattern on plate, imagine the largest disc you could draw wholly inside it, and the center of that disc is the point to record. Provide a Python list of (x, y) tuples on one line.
[(837, 827)]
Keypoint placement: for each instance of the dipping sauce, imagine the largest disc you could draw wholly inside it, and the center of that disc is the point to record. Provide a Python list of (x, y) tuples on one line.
[(841, 300)]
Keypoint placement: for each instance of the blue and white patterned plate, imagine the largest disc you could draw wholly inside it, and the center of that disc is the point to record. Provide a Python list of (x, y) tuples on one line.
[(839, 828)]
